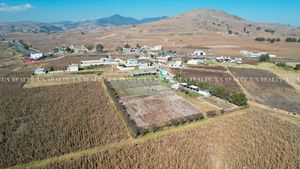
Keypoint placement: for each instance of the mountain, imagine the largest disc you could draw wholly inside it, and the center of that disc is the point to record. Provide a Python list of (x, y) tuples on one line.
[(120, 20), (208, 20), (37, 27)]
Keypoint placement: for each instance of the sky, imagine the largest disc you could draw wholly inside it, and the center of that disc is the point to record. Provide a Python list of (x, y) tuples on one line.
[(272, 11)]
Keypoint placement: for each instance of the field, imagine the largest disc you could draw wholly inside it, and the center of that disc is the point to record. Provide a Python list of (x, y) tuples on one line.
[(136, 87), (250, 140), (219, 103), (158, 110), (216, 77), (43, 122), (146, 104), (267, 88)]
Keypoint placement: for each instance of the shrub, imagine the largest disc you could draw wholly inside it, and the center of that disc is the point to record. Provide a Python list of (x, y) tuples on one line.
[(260, 39), (219, 92), (99, 48), (238, 99), (297, 67), (272, 40), (264, 58), (290, 40), (51, 69), (278, 40)]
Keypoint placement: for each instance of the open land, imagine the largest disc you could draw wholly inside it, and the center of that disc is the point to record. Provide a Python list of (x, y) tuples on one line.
[(231, 142), (267, 88), (43, 122)]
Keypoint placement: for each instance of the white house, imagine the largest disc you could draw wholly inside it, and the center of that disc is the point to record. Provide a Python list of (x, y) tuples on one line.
[(73, 68), (36, 56), (102, 61), (175, 64), (195, 61), (199, 53), (157, 48), (40, 71)]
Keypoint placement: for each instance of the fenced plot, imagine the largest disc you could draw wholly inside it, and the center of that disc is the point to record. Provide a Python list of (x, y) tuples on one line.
[(157, 110), (134, 87), (147, 105)]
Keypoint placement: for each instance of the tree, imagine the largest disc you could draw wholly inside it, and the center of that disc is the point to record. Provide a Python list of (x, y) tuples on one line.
[(238, 99), (278, 40), (68, 49), (245, 29), (127, 46), (290, 40), (272, 40), (230, 32), (264, 58), (51, 69), (138, 46), (260, 39), (297, 67), (99, 48)]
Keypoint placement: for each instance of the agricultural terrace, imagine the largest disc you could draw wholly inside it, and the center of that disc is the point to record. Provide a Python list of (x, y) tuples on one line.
[(148, 105), (38, 123), (267, 88)]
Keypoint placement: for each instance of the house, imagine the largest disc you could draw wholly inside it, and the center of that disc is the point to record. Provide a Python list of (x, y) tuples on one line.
[(79, 49), (124, 68), (40, 71), (195, 61), (73, 68), (194, 89), (175, 86), (132, 63), (199, 53), (157, 48), (36, 56), (175, 64), (102, 61), (144, 74)]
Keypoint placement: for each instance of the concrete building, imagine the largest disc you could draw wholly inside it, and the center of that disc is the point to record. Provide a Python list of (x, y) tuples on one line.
[(199, 53), (40, 71), (73, 68), (102, 61), (195, 61), (176, 64), (36, 56)]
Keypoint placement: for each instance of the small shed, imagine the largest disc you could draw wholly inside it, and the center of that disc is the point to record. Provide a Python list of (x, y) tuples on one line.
[(40, 71)]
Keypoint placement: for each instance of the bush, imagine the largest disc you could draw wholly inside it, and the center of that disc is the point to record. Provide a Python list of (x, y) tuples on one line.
[(297, 67), (219, 92), (99, 48), (291, 40), (238, 99), (260, 39), (278, 40), (272, 40), (264, 58), (51, 69)]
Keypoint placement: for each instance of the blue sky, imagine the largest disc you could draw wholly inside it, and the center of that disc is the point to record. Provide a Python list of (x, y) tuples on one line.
[(274, 11)]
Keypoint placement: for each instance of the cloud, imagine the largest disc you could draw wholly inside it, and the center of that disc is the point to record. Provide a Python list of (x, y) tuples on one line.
[(14, 8)]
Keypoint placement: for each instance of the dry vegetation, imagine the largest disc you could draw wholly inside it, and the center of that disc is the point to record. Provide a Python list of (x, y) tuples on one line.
[(253, 140), (216, 76), (38, 123), (267, 88)]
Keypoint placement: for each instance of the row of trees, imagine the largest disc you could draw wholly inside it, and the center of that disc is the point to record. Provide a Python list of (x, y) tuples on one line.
[(273, 40)]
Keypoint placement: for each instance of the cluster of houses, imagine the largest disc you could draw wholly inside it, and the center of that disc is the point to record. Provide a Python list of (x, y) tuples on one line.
[(185, 86)]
